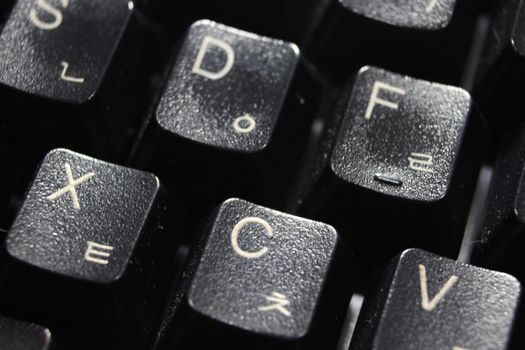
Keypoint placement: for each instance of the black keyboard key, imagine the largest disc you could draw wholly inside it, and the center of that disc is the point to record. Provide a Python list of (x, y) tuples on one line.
[(17, 335), (263, 278), (403, 156), (88, 237), (230, 118), (502, 64), (72, 75), (425, 38), (60, 49), (421, 14), (425, 301), (500, 243)]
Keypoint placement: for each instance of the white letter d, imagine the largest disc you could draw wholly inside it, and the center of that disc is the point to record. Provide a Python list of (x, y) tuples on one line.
[(230, 59)]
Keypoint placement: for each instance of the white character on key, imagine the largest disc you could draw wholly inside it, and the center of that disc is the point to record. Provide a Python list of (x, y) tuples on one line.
[(376, 100), (431, 5), (95, 253), (51, 11), (245, 124), (430, 304), (64, 76), (278, 302), (421, 162), (237, 230), (230, 59)]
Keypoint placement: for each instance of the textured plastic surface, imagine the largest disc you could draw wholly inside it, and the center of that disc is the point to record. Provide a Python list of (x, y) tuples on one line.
[(113, 208), (419, 14), (475, 312), (37, 40), (16, 335), (231, 288), (205, 110), (427, 122)]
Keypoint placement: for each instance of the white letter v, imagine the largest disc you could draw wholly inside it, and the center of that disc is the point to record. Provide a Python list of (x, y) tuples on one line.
[(431, 305)]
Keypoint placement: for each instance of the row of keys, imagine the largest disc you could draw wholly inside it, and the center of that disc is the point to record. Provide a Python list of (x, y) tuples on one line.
[(265, 277), (403, 145), (239, 106)]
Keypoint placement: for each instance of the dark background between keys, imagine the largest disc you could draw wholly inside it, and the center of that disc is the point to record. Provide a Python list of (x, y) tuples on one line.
[(126, 54)]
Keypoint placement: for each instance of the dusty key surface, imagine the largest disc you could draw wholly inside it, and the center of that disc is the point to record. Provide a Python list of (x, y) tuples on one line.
[(428, 302)]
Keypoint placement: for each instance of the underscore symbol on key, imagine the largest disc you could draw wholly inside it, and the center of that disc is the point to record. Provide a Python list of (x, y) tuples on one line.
[(431, 6), (95, 253), (71, 187), (65, 77), (421, 162), (279, 303), (429, 305)]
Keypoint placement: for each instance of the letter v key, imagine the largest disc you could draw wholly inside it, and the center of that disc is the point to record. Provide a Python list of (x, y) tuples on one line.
[(431, 305)]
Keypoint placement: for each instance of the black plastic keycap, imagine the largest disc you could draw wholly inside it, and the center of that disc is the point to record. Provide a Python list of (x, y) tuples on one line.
[(230, 94), (88, 235), (424, 301), (401, 155), (261, 277), (503, 64), (426, 38), (17, 335), (500, 242), (60, 49), (421, 14), (224, 122)]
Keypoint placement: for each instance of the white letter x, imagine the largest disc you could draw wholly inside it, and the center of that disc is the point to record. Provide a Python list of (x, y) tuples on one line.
[(72, 183)]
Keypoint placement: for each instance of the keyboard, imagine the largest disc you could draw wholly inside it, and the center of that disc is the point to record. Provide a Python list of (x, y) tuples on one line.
[(283, 174)]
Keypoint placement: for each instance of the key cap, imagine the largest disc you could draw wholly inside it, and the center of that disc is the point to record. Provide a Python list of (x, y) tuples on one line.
[(424, 301), (69, 77), (16, 335), (402, 168), (90, 238), (263, 278), (232, 120), (500, 242), (425, 38), (503, 62)]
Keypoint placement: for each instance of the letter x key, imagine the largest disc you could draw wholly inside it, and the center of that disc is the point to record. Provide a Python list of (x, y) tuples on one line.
[(95, 234)]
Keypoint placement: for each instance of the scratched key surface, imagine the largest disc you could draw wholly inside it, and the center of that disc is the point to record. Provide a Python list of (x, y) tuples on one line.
[(432, 303), (82, 217)]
